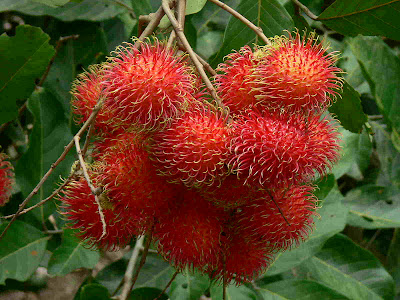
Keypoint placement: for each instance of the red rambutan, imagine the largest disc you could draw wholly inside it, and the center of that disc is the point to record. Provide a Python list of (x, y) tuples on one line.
[(296, 74), (281, 217), (189, 235), (280, 149), (6, 179), (148, 86), (193, 149), (81, 210), (235, 83)]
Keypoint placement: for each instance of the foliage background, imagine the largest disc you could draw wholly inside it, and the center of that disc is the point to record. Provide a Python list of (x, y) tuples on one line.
[(354, 250)]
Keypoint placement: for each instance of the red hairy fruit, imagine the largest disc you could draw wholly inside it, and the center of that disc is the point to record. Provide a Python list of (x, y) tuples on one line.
[(282, 218), (296, 74), (148, 86), (81, 210), (235, 82), (281, 149), (128, 176), (243, 258), (87, 89), (6, 179), (189, 236), (193, 149)]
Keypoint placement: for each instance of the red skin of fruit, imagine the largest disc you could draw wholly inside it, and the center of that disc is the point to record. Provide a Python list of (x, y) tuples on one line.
[(296, 75), (193, 149), (6, 179), (282, 149), (235, 83), (230, 193), (189, 235), (282, 217), (148, 86), (130, 179), (243, 258), (81, 210), (86, 91)]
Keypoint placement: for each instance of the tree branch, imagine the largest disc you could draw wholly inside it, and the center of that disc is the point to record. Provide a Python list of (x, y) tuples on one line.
[(256, 29), (305, 9)]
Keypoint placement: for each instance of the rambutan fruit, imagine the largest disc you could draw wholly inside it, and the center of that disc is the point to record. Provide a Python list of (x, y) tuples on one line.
[(243, 257), (127, 174), (81, 210), (87, 89), (235, 81), (6, 179), (231, 192), (282, 217), (148, 86), (296, 74), (281, 149), (193, 149), (189, 235)]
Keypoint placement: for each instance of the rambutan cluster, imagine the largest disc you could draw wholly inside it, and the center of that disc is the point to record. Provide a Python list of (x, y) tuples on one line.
[(219, 193)]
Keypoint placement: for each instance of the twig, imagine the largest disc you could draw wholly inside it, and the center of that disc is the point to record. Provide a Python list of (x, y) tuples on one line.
[(171, 39), (304, 8), (276, 204), (143, 19), (167, 286), (60, 231), (373, 238), (87, 140), (142, 260), (207, 66), (179, 32), (55, 164), (155, 20), (375, 117), (256, 29), (131, 266), (41, 202)]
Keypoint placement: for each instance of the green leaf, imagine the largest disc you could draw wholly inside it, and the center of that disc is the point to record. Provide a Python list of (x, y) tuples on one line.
[(298, 290), (393, 259), (21, 251), (332, 220), (194, 6), (267, 14), (382, 68), (189, 286), (146, 293), (52, 3), (372, 207), (23, 58), (325, 185), (349, 101), (49, 136), (71, 255), (232, 292), (94, 291), (350, 270), (90, 10), (142, 7), (366, 17), (356, 149)]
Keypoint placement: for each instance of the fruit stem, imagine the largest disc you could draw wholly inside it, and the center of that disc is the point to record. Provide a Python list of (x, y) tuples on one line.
[(305, 9), (280, 211)]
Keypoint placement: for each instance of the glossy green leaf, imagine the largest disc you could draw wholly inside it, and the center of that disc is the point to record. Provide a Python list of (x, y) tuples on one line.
[(71, 255), (232, 292), (23, 58), (91, 10), (146, 293), (393, 259), (52, 3), (324, 186), (350, 270), (298, 290), (21, 251), (94, 291), (348, 109), (49, 136), (366, 17), (332, 220), (372, 207), (355, 153), (382, 68), (267, 14), (189, 286), (142, 7)]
